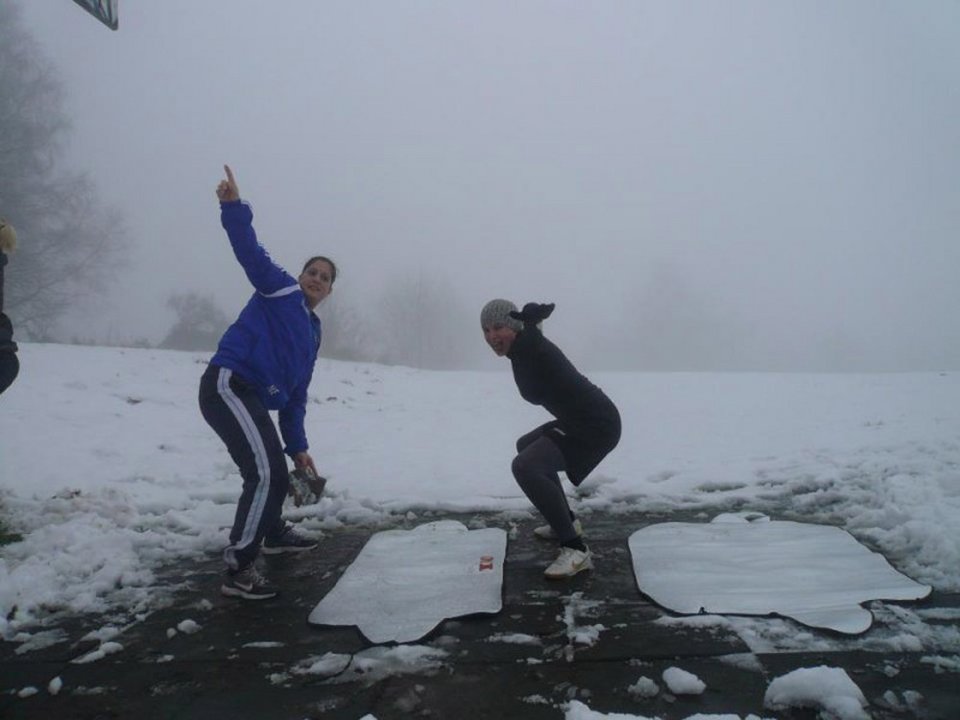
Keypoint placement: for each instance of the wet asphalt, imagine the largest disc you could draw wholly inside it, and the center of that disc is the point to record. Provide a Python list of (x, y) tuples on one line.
[(249, 660)]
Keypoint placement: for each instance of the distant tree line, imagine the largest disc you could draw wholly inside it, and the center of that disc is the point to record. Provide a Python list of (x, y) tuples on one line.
[(71, 244), (415, 322)]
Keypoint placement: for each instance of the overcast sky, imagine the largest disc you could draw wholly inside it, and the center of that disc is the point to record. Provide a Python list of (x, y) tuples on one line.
[(773, 184)]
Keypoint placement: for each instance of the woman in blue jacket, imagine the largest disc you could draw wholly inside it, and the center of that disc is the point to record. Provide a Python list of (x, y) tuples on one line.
[(264, 362)]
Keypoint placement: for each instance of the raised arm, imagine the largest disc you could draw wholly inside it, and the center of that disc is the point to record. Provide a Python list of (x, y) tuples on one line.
[(237, 219)]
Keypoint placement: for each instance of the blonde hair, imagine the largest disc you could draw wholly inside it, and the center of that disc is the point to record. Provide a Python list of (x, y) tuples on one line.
[(8, 237)]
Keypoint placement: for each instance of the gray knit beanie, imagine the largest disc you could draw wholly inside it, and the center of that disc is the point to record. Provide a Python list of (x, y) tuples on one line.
[(497, 312)]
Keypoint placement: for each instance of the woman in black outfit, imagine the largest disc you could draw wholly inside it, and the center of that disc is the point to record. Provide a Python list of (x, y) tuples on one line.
[(585, 429)]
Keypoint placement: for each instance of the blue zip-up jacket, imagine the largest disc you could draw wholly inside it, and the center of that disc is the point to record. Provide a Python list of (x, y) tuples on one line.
[(273, 344)]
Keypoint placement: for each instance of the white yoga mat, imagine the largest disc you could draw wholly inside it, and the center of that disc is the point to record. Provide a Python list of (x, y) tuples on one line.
[(406, 582), (816, 574)]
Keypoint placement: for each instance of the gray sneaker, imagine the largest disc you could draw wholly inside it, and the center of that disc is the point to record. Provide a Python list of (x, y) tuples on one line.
[(248, 584), (289, 541)]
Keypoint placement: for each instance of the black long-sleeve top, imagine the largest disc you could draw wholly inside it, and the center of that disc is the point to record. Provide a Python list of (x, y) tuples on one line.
[(587, 425)]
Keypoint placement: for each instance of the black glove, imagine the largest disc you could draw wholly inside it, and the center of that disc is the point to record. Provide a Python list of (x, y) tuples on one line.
[(533, 313)]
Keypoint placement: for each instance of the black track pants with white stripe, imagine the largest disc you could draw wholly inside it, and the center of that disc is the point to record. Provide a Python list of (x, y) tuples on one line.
[(233, 409)]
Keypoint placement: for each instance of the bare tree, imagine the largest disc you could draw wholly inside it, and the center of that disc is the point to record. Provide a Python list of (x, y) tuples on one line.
[(68, 241), (676, 325), (346, 336), (199, 325), (422, 324)]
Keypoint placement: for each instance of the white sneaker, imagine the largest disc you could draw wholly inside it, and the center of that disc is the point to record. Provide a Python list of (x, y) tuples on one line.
[(545, 532), (568, 563)]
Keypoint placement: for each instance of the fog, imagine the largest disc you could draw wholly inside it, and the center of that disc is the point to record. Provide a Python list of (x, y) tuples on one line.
[(701, 185)]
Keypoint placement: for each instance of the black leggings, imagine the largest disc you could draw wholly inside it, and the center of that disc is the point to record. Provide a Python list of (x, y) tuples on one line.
[(535, 468), (232, 407), (9, 368)]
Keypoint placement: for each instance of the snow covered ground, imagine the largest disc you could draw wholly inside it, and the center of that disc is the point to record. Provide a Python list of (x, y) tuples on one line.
[(108, 471)]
